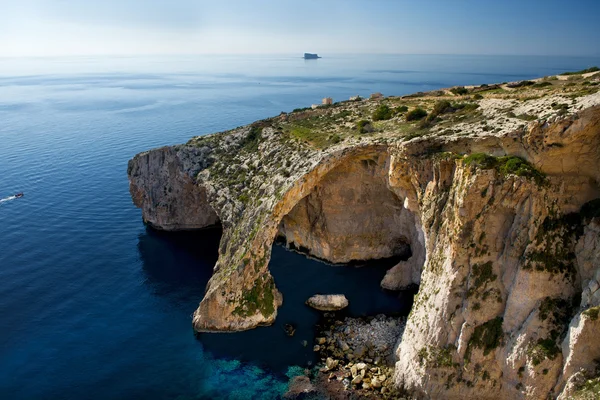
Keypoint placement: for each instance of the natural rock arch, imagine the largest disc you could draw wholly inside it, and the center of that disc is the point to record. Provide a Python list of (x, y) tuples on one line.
[(352, 214), (222, 310)]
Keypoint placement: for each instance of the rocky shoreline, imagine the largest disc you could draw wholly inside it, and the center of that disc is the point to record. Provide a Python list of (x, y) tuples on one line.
[(357, 359)]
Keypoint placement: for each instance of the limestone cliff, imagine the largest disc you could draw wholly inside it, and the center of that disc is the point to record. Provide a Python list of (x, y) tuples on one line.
[(494, 194)]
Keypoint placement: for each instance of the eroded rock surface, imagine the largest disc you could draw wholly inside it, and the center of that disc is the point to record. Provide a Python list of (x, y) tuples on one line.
[(495, 194), (328, 302)]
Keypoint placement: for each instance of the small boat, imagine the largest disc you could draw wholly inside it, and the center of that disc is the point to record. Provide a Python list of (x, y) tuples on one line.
[(18, 195)]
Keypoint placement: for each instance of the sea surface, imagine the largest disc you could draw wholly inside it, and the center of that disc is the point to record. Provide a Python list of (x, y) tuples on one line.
[(95, 306)]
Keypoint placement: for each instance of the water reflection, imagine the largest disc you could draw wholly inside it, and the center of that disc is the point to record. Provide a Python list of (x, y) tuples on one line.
[(178, 265)]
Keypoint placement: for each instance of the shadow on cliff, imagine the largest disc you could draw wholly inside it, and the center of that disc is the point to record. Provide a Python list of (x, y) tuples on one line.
[(178, 265)]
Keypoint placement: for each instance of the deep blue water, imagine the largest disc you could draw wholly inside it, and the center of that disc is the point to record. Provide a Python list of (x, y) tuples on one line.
[(93, 305)]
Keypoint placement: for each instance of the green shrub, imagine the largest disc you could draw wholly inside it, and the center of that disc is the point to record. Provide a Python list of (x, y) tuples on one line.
[(527, 117), (520, 84), (441, 107), (401, 109), (250, 142), (416, 114), (592, 313), (300, 109), (383, 112), (244, 198), (459, 90), (481, 160), (364, 126), (465, 106), (486, 336), (583, 71), (506, 166), (544, 348)]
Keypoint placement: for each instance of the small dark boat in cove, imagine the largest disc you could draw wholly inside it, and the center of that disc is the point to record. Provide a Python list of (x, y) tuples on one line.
[(18, 195)]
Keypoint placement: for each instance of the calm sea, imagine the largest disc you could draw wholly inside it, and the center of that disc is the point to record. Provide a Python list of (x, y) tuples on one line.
[(92, 304)]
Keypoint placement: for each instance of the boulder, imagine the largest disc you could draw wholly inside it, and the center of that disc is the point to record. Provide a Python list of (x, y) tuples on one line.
[(328, 302), (299, 388), (330, 363)]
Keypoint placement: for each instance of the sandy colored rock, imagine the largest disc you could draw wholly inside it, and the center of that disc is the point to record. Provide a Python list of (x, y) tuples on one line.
[(328, 302)]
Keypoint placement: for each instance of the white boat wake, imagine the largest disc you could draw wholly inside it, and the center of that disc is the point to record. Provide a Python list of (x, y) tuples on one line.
[(9, 198)]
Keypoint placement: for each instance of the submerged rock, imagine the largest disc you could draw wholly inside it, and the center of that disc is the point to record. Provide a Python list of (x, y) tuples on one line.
[(328, 302), (300, 388), (289, 329)]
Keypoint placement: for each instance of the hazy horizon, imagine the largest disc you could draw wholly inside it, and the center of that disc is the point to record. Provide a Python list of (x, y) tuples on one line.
[(47, 28)]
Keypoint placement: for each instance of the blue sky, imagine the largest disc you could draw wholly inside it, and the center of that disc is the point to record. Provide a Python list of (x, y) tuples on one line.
[(90, 27)]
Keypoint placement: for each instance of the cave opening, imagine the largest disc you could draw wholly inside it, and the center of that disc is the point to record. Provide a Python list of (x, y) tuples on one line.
[(353, 217)]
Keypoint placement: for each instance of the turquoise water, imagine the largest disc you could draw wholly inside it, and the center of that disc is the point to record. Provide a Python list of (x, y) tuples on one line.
[(96, 306)]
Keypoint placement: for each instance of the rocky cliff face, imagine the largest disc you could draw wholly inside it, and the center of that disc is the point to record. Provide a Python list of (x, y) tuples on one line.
[(500, 217)]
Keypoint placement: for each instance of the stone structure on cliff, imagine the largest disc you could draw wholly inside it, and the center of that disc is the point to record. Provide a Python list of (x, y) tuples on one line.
[(494, 195)]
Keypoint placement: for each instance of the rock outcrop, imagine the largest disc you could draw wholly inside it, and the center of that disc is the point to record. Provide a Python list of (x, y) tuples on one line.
[(494, 195), (328, 302)]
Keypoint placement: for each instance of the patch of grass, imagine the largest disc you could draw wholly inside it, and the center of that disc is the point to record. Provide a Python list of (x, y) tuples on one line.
[(589, 390), (341, 115), (540, 85), (526, 117), (442, 357), (592, 313), (416, 114), (414, 134), (465, 107), (481, 160), (259, 298), (583, 71), (314, 136)]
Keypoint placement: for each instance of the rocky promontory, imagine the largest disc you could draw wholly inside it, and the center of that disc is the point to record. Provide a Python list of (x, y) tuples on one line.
[(493, 192)]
